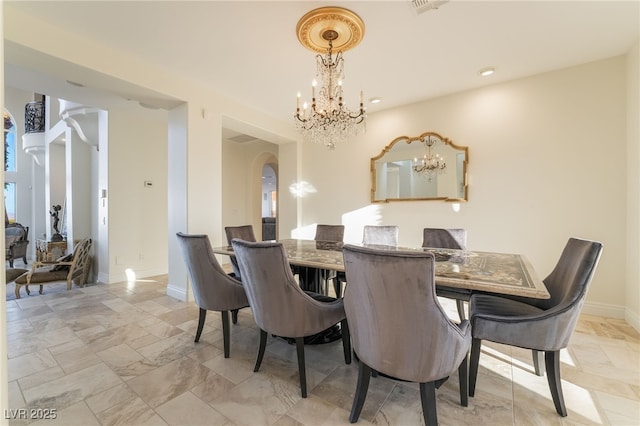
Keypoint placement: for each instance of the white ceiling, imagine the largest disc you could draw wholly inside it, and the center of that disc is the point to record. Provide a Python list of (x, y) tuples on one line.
[(249, 50)]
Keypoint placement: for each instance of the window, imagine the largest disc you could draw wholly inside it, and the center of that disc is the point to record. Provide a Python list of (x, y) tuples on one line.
[(9, 166), (10, 202), (9, 143)]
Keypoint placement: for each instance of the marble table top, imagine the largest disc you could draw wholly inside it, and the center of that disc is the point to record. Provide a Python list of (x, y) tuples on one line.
[(501, 273)]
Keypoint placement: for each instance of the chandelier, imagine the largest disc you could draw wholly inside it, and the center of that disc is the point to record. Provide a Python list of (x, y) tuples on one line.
[(327, 119), (430, 163)]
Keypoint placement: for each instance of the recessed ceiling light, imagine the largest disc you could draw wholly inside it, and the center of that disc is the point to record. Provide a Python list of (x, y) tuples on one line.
[(375, 100), (485, 72)]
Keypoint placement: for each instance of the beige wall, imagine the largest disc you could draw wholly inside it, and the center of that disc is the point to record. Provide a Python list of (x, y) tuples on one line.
[(547, 162), (242, 183), (137, 214), (632, 298)]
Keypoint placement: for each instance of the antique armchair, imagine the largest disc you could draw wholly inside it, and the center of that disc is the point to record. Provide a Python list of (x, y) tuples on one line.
[(16, 242), (72, 269)]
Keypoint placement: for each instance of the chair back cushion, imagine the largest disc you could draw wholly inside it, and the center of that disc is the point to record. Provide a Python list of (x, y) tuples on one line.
[(396, 322), (243, 232), (329, 233), (570, 278), (445, 238), (212, 288), (16, 233), (380, 235), (278, 303)]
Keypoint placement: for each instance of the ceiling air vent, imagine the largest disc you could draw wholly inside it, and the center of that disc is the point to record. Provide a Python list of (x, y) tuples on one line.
[(421, 6)]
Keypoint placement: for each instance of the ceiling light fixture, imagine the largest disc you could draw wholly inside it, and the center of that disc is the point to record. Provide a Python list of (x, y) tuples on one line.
[(486, 72), (375, 100), (431, 163), (328, 120)]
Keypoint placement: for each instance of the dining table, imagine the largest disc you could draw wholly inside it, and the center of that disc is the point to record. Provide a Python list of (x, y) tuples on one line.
[(477, 271)]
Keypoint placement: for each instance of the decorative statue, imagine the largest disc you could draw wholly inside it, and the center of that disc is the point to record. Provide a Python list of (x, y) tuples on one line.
[(56, 220)]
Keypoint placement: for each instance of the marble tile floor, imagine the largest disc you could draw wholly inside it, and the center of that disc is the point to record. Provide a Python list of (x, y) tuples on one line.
[(123, 354)]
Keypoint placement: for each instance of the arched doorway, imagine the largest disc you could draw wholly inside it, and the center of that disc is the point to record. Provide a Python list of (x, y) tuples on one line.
[(269, 202)]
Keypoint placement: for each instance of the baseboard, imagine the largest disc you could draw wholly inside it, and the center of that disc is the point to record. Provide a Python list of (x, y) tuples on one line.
[(633, 319), (176, 292), (613, 311), (604, 310), (122, 276)]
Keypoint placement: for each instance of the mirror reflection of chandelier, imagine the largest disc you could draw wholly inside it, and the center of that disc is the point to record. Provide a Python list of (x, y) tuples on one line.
[(430, 163), (328, 120)]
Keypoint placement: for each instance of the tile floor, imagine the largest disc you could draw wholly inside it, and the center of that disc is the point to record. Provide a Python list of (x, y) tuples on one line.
[(123, 354)]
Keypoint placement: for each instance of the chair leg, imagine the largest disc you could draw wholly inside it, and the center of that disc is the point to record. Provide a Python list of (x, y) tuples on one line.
[(538, 363), (346, 340), (552, 363), (364, 375), (226, 334), (301, 366), (463, 377), (473, 367), (428, 399), (263, 345), (461, 312), (201, 318), (337, 287), (234, 316)]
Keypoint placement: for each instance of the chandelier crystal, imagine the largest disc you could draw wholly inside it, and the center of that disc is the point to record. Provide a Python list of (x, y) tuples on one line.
[(327, 119), (430, 164)]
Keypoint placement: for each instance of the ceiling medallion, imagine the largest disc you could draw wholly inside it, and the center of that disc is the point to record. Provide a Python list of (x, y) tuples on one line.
[(327, 119), (347, 26)]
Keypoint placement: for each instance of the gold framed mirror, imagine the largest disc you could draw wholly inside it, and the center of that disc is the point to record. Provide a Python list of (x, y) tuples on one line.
[(425, 167)]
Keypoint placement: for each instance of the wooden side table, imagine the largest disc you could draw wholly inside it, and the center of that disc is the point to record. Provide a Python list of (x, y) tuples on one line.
[(48, 251)]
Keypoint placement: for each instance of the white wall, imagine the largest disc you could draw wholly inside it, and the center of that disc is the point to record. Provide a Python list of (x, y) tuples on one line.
[(137, 214), (546, 162)]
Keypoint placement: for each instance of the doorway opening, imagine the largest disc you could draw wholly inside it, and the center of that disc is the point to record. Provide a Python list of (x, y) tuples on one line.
[(269, 202)]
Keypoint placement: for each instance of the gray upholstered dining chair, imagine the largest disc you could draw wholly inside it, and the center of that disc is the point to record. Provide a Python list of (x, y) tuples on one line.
[(280, 306), (454, 238), (538, 324), (386, 235), (213, 289), (398, 327), (332, 233), (242, 232)]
